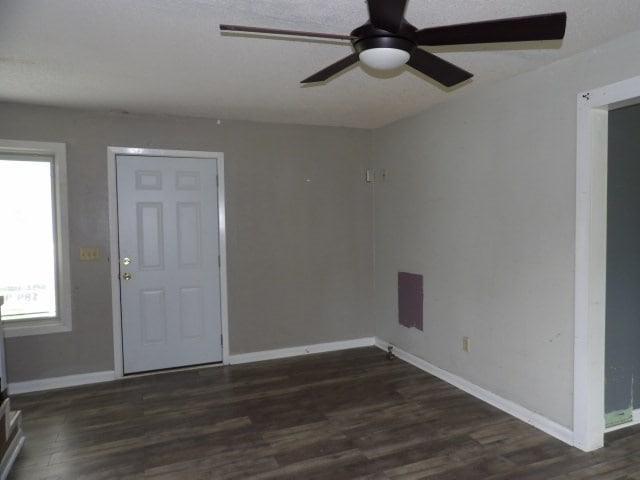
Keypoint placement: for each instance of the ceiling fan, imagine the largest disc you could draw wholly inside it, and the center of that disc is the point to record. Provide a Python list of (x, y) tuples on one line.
[(387, 40)]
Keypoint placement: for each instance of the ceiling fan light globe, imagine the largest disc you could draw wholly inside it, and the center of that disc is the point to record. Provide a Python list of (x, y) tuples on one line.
[(384, 58)]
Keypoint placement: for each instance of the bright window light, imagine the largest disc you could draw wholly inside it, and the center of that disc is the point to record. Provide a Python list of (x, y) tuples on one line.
[(27, 247), (34, 246)]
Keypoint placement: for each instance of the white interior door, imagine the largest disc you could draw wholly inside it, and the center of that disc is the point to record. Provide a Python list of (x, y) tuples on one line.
[(169, 261)]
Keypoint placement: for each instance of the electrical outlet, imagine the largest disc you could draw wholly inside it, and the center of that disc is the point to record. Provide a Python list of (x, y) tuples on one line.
[(369, 176), (466, 344), (89, 254)]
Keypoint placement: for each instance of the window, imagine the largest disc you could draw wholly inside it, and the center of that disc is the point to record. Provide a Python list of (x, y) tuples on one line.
[(34, 263)]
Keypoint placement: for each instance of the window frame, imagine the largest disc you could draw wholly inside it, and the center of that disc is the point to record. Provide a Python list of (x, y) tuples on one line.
[(62, 321)]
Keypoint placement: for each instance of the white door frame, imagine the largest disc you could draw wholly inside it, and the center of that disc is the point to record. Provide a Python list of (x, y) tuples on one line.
[(115, 252), (590, 267)]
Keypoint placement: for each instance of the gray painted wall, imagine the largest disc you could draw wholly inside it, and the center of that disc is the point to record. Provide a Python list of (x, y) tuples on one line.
[(622, 358), (480, 199), (299, 252)]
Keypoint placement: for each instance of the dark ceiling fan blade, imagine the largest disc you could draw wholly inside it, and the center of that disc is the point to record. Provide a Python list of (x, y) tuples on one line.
[(277, 31), (387, 14), (435, 67), (549, 26), (332, 69)]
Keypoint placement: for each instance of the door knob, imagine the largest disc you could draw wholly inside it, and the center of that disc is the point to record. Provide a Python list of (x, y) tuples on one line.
[(126, 276), (126, 261)]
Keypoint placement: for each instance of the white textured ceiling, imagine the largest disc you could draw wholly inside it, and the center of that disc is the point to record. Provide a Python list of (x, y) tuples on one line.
[(168, 57)]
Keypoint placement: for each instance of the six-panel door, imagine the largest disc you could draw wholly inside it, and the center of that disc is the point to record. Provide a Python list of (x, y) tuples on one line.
[(169, 265)]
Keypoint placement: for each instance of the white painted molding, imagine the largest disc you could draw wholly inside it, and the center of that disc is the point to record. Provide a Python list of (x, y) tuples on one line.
[(590, 256), (542, 423), (222, 245), (302, 350), (62, 322), (28, 386), (16, 388), (112, 152), (532, 418)]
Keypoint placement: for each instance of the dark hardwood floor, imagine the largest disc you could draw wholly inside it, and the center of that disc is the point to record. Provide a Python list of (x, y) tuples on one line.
[(342, 415)]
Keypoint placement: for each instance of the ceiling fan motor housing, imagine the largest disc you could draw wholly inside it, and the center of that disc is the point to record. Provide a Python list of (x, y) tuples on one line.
[(381, 49), (388, 41), (368, 36)]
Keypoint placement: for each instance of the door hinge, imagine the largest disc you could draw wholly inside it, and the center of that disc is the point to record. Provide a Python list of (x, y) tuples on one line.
[(219, 264), (221, 341)]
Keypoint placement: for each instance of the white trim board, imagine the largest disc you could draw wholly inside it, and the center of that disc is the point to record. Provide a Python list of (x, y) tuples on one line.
[(56, 155), (532, 418), (28, 386), (112, 152), (542, 423), (590, 256), (302, 350)]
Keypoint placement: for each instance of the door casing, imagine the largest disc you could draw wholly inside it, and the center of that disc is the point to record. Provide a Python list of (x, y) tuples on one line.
[(112, 152), (590, 256)]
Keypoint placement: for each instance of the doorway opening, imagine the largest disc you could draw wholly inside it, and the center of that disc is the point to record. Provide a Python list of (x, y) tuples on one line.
[(622, 307), (591, 257), (167, 210)]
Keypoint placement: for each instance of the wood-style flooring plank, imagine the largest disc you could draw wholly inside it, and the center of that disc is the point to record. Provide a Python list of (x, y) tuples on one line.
[(349, 415)]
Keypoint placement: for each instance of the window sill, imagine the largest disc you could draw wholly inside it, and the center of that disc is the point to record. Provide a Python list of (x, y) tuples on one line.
[(26, 328)]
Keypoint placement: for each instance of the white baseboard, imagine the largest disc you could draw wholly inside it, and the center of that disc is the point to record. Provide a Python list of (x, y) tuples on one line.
[(16, 388), (535, 419), (303, 350), (542, 423)]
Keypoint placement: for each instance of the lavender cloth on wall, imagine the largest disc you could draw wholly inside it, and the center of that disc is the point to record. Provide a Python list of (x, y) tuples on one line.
[(410, 298)]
